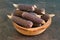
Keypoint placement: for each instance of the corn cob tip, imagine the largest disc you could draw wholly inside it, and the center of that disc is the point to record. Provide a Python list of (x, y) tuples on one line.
[(43, 10), (51, 15), (35, 6), (15, 5), (9, 16), (39, 16), (43, 22), (17, 9)]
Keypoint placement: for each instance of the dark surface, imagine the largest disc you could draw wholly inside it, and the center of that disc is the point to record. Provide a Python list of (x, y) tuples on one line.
[(7, 31)]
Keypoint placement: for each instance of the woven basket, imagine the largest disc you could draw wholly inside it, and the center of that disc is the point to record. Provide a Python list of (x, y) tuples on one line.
[(32, 31)]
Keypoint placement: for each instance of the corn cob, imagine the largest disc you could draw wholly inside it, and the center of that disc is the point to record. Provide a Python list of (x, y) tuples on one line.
[(36, 25), (32, 18), (22, 22), (18, 13), (39, 11), (45, 17), (25, 7)]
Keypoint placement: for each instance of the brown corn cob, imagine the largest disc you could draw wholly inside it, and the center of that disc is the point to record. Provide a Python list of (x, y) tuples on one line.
[(22, 22), (32, 18), (36, 25), (39, 11), (45, 17), (18, 13), (25, 7)]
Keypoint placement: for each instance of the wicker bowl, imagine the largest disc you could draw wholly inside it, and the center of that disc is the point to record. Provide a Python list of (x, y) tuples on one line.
[(32, 31)]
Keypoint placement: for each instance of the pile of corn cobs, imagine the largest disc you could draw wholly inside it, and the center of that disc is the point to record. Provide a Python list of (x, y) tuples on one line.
[(29, 16)]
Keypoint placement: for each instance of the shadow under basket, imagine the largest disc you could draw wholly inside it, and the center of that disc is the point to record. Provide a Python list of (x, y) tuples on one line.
[(32, 31)]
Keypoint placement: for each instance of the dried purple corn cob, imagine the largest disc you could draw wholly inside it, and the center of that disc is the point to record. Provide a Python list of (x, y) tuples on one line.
[(20, 21), (36, 25), (32, 18), (24, 7), (45, 17), (39, 11), (18, 13)]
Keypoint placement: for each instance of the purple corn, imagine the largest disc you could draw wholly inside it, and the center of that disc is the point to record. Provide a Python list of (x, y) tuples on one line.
[(25, 7), (23, 22), (18, 13), (32, 18), (45, 17), (40, 11)]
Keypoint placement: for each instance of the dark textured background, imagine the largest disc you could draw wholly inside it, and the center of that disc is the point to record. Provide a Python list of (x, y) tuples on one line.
[(7, 31)]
